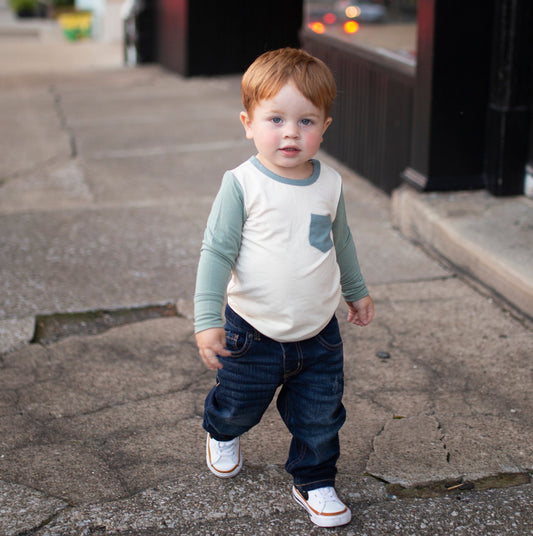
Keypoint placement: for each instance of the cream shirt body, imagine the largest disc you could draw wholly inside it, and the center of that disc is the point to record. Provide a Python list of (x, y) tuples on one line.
[(285, 281), (282, 250)]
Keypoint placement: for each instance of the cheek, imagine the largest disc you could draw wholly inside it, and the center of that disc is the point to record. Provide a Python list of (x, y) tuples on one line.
[(268, 137), (313, 139)]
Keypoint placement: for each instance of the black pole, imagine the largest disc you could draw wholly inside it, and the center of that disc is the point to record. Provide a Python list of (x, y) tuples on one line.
[(451, 95), (510, 101)]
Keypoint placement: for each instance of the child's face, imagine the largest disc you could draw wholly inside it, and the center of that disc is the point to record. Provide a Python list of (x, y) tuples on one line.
[(287, 131)]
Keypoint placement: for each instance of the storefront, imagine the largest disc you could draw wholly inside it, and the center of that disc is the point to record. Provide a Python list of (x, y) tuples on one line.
[(437, 93)]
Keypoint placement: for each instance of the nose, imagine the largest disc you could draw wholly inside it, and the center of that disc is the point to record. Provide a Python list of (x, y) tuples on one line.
[(291, 130)]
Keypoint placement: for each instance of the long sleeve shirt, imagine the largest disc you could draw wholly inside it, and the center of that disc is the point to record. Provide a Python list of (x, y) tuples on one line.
[(280, 250)]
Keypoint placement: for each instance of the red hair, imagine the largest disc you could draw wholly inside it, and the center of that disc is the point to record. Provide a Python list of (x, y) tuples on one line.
[(272, 70)]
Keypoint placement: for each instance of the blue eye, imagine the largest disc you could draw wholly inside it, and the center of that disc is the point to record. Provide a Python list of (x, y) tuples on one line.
[(306, 122), (276, 120)]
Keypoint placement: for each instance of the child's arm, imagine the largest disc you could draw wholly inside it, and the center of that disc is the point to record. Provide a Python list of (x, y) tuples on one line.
[(354, 290), (220, 248)]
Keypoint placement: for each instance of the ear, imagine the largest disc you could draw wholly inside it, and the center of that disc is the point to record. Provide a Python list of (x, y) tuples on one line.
[(247, 124), (327, 122)]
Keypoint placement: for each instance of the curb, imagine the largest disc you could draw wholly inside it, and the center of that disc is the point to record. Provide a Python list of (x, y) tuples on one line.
[(439, 226)]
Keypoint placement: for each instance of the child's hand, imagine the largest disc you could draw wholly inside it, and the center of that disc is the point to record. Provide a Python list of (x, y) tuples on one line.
[(212, 342), (361, 312)]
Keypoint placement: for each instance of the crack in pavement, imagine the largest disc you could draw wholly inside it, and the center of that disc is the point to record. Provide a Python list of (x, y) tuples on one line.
[(63, 121)]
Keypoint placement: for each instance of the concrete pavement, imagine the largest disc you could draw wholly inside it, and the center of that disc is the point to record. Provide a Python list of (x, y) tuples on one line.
[(107, 175)]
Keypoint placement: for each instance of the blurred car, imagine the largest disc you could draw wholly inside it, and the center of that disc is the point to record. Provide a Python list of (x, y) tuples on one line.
[(365, 12), (344, 11)]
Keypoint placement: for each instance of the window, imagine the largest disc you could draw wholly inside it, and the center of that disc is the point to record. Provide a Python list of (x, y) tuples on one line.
[(387, 25)]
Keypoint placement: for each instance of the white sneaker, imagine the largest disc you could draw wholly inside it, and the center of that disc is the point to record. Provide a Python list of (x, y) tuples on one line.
[(324, 507), (223, 457)]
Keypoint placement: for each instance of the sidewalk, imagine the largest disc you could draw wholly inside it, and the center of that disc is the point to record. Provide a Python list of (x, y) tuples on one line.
[(37, 46), (107, 175)]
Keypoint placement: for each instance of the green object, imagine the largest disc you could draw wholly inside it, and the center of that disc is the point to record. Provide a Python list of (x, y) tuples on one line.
[(22, 5), (76, 26)]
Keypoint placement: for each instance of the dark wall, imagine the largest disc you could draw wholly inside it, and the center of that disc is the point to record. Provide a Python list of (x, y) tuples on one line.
[(451, 95), (172, 34), (213, 37), (473, 96)]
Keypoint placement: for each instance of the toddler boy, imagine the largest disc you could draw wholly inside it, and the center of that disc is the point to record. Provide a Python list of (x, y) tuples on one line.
[(278, 246)]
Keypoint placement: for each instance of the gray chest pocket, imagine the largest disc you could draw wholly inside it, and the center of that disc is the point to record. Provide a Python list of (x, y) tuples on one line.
[(320, 232)]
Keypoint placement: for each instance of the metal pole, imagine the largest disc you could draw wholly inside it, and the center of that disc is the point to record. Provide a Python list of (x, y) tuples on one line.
[(510, 100)]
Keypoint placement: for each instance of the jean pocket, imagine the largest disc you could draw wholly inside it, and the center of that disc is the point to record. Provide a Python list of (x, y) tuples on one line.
[(320, 232), (330, 337), (238, 343)]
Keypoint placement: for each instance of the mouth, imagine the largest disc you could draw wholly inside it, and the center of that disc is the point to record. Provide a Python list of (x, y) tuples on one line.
[(289, 150)]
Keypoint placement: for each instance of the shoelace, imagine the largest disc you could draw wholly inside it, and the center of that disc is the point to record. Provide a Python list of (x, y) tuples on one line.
[(325, 495), (226, 447)]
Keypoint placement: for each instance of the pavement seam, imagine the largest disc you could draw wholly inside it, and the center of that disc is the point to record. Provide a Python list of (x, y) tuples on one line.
[(63, 120)]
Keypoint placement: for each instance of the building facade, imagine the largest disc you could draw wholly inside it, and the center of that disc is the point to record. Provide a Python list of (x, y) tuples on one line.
[(455, 116)]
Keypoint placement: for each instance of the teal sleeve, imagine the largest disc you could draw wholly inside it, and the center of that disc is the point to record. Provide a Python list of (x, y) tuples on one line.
[(220, 247), (352, 283)]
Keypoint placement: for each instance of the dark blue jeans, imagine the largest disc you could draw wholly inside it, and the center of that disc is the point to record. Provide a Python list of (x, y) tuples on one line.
[(310, 401)]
